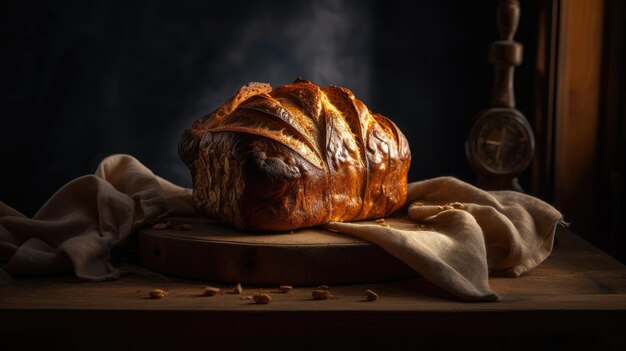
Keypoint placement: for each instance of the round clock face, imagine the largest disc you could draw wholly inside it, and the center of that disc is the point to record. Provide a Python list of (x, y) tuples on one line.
[(501, 143)]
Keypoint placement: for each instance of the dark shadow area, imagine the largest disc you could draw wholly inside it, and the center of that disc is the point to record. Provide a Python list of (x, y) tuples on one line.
[(82, 80)]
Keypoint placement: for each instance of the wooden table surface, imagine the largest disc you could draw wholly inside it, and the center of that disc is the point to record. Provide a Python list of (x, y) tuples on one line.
[(578, 290)]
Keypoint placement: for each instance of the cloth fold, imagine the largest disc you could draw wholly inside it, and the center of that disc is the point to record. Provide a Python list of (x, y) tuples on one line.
[(503, 233), (77, 227), (499, 233)]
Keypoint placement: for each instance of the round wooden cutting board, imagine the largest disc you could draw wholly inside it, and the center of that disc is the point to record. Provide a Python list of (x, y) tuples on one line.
[(214, 252)]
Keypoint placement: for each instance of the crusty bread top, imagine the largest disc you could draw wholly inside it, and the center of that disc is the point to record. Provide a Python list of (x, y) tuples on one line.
[(298, 116)]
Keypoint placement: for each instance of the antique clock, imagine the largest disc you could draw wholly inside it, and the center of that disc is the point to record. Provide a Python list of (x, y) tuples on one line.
[(500, 144)]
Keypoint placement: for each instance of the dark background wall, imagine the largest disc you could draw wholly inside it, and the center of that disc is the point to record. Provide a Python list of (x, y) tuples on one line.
[(84, 79)]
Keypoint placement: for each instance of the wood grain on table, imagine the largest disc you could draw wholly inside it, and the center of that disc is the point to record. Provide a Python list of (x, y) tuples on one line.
[(578, 289)]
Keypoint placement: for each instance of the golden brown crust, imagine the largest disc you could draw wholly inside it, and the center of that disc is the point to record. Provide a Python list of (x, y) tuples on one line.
[(293, 157)]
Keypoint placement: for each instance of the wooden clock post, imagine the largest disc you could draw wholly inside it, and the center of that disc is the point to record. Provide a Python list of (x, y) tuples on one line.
[(501, 144)]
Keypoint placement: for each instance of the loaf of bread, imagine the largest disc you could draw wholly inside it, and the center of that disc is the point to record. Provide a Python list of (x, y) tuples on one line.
[(295, 156)]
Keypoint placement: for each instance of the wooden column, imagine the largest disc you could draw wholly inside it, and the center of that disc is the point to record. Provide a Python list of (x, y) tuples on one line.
[(577, 110), (580, 116)]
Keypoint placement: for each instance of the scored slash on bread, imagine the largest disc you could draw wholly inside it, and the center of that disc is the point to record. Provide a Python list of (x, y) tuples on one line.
[(295, 156)]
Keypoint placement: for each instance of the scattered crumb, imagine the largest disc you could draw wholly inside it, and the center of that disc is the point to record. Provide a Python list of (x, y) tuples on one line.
[(262, 299), (158, 293), (285, 288), (211, 291), (159, 226), (370, 295), (457, 205), (320, 294)]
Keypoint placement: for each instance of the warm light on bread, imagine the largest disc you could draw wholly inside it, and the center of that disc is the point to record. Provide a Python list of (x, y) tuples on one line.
[(295, 156)]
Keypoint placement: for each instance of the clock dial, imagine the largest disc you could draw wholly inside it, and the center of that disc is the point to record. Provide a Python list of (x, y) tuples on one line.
[(501, 143)]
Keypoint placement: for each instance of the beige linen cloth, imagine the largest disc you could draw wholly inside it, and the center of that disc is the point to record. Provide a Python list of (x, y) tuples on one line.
[(503, 232)]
